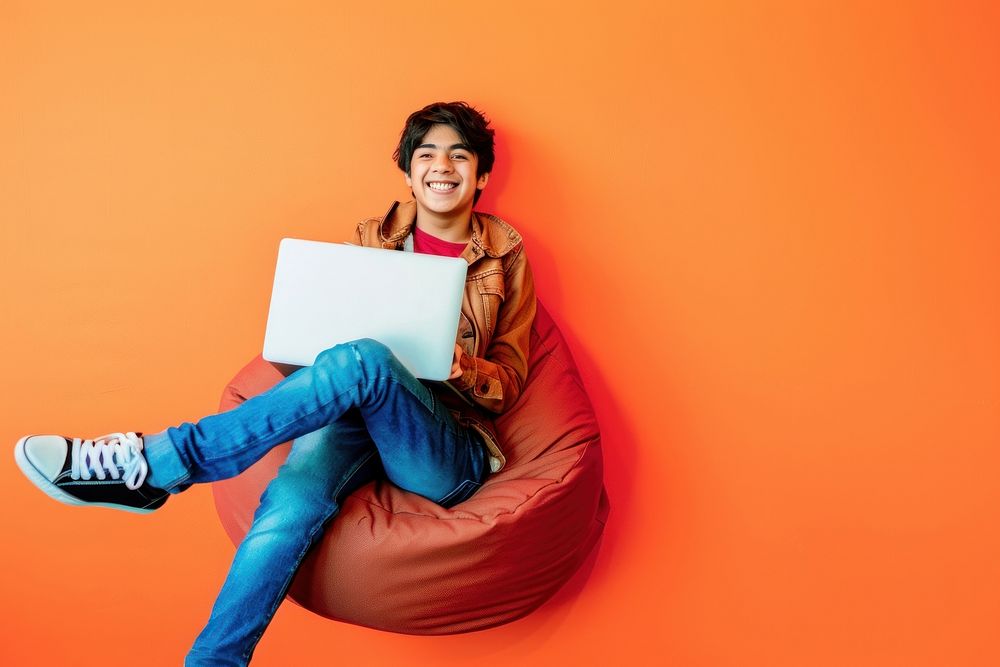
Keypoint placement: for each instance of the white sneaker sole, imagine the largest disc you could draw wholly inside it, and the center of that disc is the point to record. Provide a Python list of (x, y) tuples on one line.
[(53, 491)]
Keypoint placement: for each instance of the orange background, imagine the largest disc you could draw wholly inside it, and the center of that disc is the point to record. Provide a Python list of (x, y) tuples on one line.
[(769, 233)]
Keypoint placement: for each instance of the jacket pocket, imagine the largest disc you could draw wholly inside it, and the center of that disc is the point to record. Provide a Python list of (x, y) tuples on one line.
[(491, 292)]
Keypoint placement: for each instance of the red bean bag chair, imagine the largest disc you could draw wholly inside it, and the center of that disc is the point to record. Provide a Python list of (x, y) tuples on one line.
[(396, 561)]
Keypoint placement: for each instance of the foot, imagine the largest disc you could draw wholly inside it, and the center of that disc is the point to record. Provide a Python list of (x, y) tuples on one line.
[(109, 471)]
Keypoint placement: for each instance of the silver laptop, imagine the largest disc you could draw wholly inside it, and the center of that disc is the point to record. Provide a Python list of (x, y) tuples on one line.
[(329, 293)]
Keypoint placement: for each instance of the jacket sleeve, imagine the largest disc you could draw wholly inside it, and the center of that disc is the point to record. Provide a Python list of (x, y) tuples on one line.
[(495, 381)]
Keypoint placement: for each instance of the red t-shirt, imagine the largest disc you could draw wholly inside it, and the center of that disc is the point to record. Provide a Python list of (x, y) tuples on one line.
[(432, 245)]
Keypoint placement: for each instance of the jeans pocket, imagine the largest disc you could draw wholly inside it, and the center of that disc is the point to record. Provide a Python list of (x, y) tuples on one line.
[(464, 491)]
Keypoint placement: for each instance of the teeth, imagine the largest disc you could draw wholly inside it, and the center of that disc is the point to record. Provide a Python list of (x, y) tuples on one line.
[(441, 186)]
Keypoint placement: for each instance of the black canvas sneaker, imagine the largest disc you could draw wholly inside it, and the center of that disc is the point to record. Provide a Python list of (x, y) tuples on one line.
[(109, 471)]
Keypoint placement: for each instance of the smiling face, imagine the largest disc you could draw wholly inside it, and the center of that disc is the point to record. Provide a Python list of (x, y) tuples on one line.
[(444, 182)]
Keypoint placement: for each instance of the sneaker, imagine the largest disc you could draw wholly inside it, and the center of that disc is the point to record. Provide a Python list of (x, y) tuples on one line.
[(109, 471)]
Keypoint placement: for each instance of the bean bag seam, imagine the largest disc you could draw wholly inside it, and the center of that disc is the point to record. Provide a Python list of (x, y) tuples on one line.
[(550, 354)]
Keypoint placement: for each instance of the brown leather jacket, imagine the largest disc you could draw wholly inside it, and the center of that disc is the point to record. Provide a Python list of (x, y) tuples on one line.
[(498, 309)]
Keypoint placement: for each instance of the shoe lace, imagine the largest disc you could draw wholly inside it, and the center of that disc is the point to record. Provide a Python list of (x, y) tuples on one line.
[(107, 454)]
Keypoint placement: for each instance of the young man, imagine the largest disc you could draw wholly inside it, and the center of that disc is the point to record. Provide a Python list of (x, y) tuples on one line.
[(355, 413)]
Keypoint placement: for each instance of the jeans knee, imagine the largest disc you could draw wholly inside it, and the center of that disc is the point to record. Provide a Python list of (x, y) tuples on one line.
[(336, 357), (364, 351), (371, 351)]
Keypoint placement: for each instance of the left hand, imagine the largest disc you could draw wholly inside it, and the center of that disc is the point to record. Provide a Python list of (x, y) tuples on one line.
[(456, 366)]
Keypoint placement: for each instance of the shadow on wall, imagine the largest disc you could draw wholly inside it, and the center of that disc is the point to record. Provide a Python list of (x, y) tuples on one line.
[(618, 435)]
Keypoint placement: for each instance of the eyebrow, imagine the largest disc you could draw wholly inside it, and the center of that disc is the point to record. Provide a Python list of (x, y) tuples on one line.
[(451, 148)]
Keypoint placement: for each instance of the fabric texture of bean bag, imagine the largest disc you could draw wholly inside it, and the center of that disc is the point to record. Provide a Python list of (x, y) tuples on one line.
[(396, 561)]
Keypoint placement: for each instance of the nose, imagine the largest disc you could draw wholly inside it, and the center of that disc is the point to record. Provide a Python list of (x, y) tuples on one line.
[(442, 164)]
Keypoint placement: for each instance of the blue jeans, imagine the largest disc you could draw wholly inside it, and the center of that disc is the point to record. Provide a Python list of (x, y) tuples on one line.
[(355, 412)]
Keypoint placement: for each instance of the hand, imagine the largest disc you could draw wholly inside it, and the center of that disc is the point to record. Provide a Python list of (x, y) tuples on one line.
[(456, 366)]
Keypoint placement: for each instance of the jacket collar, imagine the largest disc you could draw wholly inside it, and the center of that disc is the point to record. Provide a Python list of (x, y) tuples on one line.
[(490, 235)]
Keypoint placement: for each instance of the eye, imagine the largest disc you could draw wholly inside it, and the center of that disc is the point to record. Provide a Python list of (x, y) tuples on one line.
[(459, 156)]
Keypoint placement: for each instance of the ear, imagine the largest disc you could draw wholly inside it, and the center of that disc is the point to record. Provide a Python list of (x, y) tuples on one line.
[(409, 181), (482, 181)]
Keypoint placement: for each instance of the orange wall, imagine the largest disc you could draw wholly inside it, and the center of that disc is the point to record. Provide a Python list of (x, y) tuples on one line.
[(770, 234)]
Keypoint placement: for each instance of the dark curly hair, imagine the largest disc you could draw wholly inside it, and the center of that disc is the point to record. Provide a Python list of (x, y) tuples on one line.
[(470, 124)]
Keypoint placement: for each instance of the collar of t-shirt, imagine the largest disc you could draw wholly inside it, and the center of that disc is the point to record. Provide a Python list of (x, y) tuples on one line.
[(421, 241)]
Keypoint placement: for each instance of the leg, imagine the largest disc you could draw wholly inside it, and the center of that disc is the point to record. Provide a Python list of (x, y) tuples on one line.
[(322, 468), (402, 414), (423, 450), (355, 394)]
